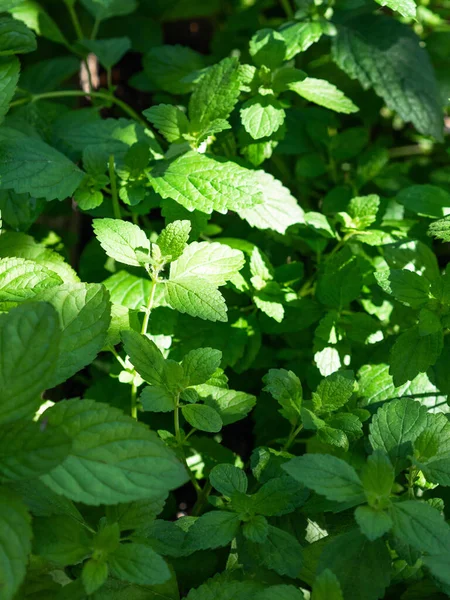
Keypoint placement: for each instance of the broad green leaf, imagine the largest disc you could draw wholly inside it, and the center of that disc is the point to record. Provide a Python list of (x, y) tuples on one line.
[(327, 475), (279, 209), (228, 479), (157, 398), (421, 526), (212, 530), (378, 478), (406, 286), (113, 458), (279, 496), (326, 587), (15, 542), (425, 200), (372, 523), (214, 262), (199, 365), (406, 8), (29, 165), (371, 578), (121, 240), (440, 229), (395, 427), (262, 116), (299, 36), (286, 388), (202, 417), (323, 93), (280, 552), (413, 353), (280, 592), (196, 297), (22, 279), (268, 48), (108, 51), (256, 529), (385, 54), (222, 587), (19, 211), (84, 314), (29, 350), (341, 280), (128, 290), (438, 565), (28, 450), (9, 76), (94, 575), (363, 210), (334, 391), (138, 563), (204, 183), (232, 406), (215, 95), (44, 502), (36, 18), (61, 540), (145, 356), (15, 37), (432, 450), (136, 515), (170, 121), (168, 67), (105, 9)]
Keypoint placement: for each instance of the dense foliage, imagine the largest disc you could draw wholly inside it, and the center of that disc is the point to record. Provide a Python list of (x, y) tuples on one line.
[(224, 360)]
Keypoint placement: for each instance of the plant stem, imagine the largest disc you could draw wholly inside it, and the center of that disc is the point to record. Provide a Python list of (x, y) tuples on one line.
[(95, 29), (109, 79), (114, 196), (75, 21), (119, 358), (294, 433), (287, 9), (201, 500), (76, 93), (148, 310), (134, 412), (176, 422)]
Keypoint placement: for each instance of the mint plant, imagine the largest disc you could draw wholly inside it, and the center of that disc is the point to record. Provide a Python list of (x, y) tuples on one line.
[(224, 300)]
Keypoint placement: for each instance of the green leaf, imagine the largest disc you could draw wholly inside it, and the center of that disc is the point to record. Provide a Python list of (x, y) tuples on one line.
[(113, 458), (384, 54), (327, 475), (168, 67), (300, 36), (9, 76), (214, 529), (232, 406), (215, 95), (128, 290), (363, 209), (200, 182), (22, 279), (28, 450), (280, 592), (279, 496), (286, 388), (109, 51), (268, 48), (262, 116), (29, 350), (323, 93), (202, 417), (413, 353), (421, 526), (84, 316), (395, 427), (157, 398), (196, 297), (406, 286), (138, 563), (228, 479), (170, 121), (326, 587), (29, 165), (216, 263), (371, 578), (105, 9), (222, 587), (378, 478), (432, 450), (406, 8), (145, 356), (256, 529), (425, 200), (280, 552), (94, 575), (334, 391), (61, 540), (372, 523), (438, 565), (199, 365), (36, 18), (15, 37), (121, 240), (341, 280), (15, 542), (440, 229)]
